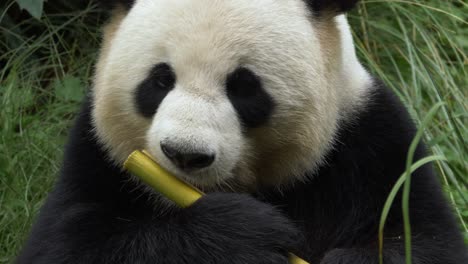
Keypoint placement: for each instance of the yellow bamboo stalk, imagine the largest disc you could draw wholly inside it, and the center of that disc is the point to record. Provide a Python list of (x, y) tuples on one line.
[(142, 165)]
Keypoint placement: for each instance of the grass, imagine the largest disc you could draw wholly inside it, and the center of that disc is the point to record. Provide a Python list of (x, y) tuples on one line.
[(418, 47), (45, 67)]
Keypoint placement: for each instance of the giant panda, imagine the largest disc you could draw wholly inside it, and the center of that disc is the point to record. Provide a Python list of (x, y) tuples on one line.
[(264, 106)]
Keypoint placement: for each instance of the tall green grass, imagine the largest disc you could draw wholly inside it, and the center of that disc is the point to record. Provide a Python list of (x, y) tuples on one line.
[(418, 47), (45, 68)]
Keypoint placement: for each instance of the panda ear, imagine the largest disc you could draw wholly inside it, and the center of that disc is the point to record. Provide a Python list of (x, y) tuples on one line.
[(338, 6), (116, 3)]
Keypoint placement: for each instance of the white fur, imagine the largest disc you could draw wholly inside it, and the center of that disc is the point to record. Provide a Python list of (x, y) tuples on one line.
[(308, 67), (351, 71), (199, 124)]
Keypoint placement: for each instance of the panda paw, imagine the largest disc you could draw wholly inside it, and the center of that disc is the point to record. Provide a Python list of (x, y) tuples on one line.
[(236, 228)]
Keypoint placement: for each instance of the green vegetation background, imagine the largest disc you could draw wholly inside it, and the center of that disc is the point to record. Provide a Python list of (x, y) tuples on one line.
[(418, 47)]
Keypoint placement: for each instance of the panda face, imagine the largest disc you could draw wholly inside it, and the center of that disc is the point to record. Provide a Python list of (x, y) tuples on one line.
[(224, 94)]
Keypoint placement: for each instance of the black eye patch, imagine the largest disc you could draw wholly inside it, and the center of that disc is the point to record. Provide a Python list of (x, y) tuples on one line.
[(252, 103), (152, 91)]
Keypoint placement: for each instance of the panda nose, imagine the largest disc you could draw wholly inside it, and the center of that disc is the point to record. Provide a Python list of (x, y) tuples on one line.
[(187, 160)]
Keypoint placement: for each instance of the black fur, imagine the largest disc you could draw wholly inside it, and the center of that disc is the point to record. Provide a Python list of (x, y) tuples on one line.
[(252, 103), (151, 92), (339, 210), (94, 215), (339, 6), (114, 3)]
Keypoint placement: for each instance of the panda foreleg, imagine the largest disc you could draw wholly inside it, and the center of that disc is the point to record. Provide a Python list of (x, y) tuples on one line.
[(236, 228), (219, 228)]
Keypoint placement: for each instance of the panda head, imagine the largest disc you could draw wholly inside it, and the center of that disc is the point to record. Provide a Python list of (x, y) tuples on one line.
[(226, 94)]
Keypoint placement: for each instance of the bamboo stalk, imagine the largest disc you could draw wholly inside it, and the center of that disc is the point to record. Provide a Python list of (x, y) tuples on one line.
[(142, 165)]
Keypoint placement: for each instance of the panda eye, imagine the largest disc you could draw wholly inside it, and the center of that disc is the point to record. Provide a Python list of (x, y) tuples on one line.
[(163, 77), (242, 83), (252, 103), (152, 90)]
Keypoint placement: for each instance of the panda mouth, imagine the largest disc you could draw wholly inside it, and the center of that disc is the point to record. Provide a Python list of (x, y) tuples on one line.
[(203, 179), (210, 180)]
